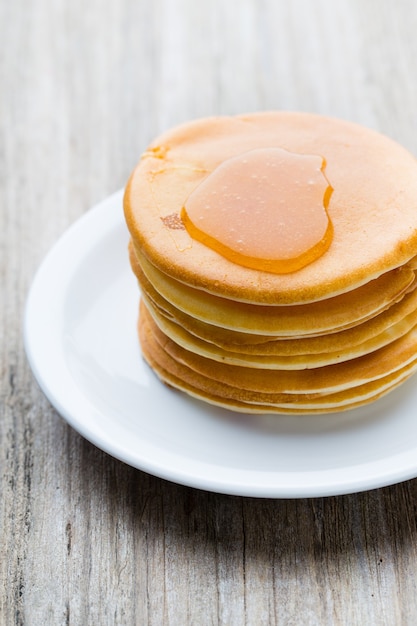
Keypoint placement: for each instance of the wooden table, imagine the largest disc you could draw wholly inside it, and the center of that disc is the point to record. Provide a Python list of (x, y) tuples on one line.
[(84, 538)]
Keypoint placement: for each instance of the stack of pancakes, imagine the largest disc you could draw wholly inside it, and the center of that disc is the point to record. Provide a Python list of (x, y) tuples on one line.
[(333, 335)]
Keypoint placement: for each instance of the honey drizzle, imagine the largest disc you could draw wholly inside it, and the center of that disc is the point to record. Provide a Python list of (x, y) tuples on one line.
[(269, 199)]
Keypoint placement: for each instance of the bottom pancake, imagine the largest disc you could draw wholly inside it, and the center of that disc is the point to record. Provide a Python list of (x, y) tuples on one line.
[(234, 392)]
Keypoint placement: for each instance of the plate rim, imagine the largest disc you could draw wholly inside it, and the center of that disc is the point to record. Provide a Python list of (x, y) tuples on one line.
[(238, 488)]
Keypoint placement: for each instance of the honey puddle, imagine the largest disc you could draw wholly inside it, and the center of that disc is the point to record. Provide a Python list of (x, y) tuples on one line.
[(265, 209)]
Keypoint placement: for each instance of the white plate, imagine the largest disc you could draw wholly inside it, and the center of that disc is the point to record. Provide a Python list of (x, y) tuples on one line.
[(80, 337)]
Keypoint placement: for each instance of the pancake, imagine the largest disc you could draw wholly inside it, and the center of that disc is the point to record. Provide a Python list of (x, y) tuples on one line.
[(246, 343), (231, 341), (276, 254), (374, 185), (316, 318), (178, 375), (330, 379), (277, 361)]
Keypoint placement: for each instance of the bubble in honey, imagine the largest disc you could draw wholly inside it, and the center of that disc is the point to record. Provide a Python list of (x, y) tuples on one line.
[(265, 209)]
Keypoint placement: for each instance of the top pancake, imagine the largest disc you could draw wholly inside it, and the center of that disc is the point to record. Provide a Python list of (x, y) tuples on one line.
[(373, 207)]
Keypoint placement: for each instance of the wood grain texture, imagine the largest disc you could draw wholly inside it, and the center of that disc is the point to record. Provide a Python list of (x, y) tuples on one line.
[(85, 539)]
